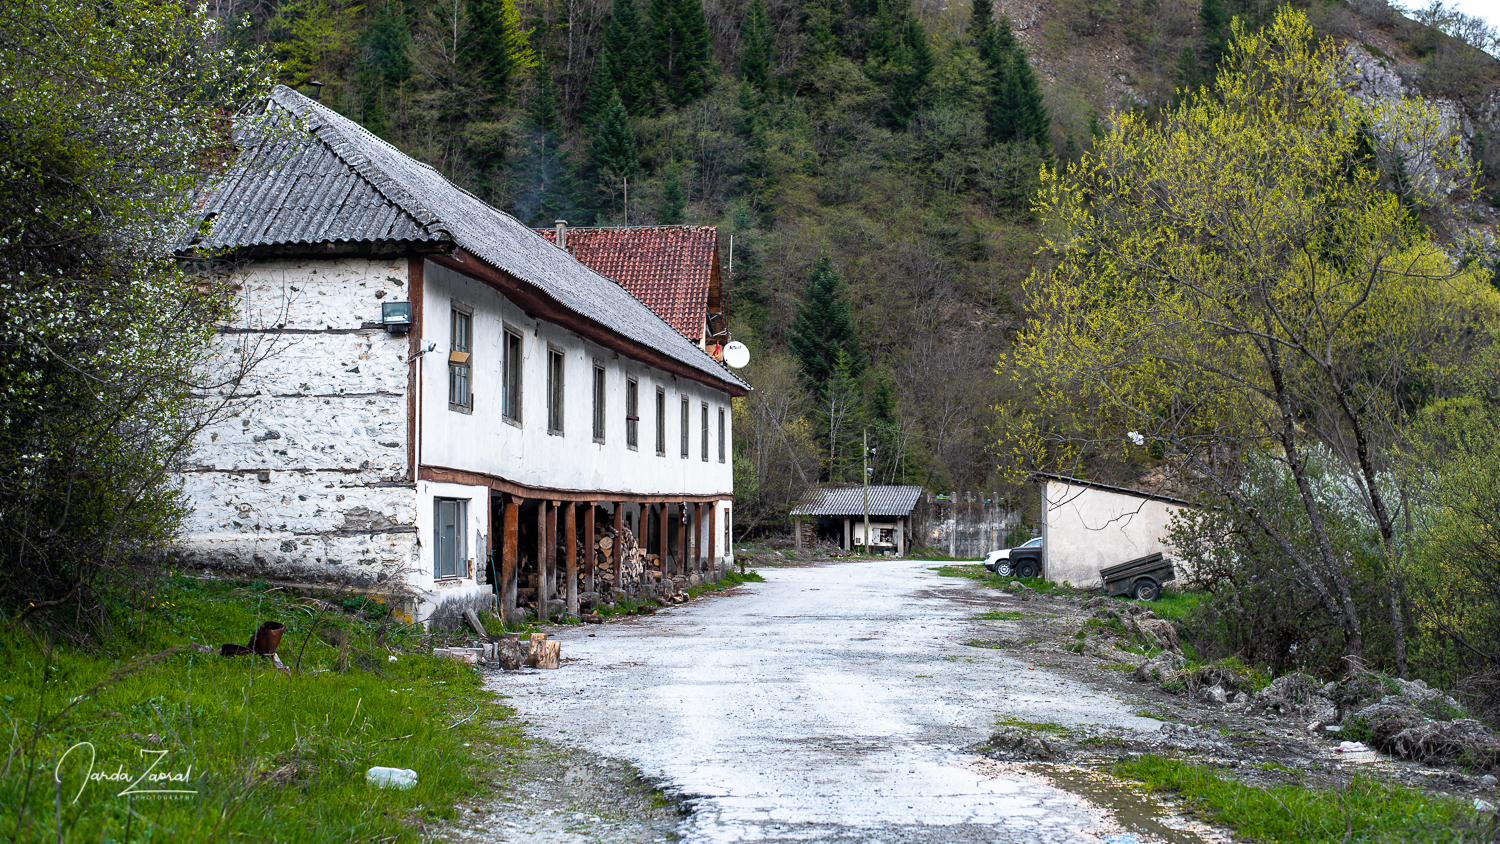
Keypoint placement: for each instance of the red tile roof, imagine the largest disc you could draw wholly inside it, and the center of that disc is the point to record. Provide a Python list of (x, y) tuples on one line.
[(672, 269)]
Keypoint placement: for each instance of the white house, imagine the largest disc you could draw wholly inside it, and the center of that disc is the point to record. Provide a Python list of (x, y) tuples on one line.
[(1089, 526), (453, 408)]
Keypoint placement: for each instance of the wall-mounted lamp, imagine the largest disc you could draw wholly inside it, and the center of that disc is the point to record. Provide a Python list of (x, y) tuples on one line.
[(396, 316)]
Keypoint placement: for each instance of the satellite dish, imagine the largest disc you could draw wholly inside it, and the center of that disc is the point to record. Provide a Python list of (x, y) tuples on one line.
[(737, 354)]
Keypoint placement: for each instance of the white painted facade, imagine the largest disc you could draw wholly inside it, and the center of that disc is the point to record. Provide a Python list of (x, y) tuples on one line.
[(309, 479), (1086, 529)]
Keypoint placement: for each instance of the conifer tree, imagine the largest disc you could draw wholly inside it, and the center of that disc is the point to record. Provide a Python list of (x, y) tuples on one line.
[(1019, 113), (756, 42), (681, 48), (497, 48), (543, 173), (612, 148), (674, 201), (981, 18), (825, 328), (842, 419), (1215, 22), (1189, 74), (384, 51), (899, 58), (627, 47)]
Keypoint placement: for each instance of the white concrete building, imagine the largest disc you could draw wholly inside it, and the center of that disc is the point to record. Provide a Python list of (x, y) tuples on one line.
[(1088, 526), (451, 403)]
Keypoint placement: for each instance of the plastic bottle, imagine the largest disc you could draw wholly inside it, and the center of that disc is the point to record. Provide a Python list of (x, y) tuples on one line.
[(391, 777)]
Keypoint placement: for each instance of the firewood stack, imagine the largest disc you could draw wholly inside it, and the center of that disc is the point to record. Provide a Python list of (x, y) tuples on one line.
[(634, 563)]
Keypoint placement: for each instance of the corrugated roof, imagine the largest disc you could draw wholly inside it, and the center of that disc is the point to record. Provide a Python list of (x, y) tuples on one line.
[(669, 268), (334, 182), (849, 501)]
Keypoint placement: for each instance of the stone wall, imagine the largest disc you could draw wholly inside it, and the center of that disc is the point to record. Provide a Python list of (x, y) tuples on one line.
[(305, 477)]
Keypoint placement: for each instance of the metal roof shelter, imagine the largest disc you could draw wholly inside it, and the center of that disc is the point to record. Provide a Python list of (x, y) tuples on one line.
[(890, 513), (310, 181)]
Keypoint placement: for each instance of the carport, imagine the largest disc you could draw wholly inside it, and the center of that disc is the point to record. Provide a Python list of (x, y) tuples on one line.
[(841, 512)]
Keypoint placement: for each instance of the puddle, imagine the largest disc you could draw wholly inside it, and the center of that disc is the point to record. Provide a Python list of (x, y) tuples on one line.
[(1146, 819)]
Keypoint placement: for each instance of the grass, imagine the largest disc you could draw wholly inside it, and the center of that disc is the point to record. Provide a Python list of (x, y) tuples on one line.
[(976, 571), (728, 581), (1033, 726), (1362, 810), (1001, 615), (266, 756)]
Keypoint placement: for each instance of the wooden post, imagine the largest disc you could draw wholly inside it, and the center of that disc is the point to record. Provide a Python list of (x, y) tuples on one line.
[(570, 547), (682, 548), (588, 547), (662, 541), (848, 537), (614, 553), (549, 582), (713, 534), (510, 559), (698, 557), (900, 536), (797, 540), (541, 556)]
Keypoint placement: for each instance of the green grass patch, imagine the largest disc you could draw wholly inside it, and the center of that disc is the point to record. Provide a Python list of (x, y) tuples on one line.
[(1001, 615), (728, 581), (261, 755), (1362, 810), (977, 572)]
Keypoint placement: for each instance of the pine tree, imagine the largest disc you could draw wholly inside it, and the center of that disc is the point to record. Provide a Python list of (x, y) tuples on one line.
[(1019, 113), (627, 46), (384, 51), (681, 48), (1215, 33), (543, 174), (899, 59), (497, 48), (981, 19), (674, 201), (1189, 74), (612, 148), (825, 328), (757, 39), (842, 419)]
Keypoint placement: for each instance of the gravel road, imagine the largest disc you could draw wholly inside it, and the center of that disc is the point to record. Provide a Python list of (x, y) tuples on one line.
[(830, 703)]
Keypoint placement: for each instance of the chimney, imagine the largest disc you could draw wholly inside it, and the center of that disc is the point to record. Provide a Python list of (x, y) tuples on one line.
[(562, 234), (317, 90)]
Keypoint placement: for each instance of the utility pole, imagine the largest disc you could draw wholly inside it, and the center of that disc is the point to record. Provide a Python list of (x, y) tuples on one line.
[(867, 490)]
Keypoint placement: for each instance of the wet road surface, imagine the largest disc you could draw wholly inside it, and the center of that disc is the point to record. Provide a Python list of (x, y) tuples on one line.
[(831, 703)]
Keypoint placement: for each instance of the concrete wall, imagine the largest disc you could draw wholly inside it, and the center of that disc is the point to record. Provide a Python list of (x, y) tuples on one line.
[(482, 441), (325, 422), (1089, 529)]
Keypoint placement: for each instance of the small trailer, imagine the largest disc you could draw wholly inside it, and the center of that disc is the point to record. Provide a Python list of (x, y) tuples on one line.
[(1140, 578)]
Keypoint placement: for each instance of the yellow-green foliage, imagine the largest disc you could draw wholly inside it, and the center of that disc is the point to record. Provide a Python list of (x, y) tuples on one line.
[(1242, 250), (269, 756)]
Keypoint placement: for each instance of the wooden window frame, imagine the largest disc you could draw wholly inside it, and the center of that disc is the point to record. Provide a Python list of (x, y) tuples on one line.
[(722, 449), (461, 360), (632, 413), (461, 552), (557, 390), (600, 388), (687, 424), (661, 422), (512, 369)]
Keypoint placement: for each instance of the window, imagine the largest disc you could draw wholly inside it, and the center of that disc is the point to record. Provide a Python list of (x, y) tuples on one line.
[(684, 427), (554, 390), (721, 435), (460, 367), (510, 389), (703, 446), (598, 401), (632, 413), (450, 557), (661, 422)]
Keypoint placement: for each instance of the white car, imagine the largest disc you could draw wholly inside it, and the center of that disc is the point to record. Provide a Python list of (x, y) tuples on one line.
[(999, 561)]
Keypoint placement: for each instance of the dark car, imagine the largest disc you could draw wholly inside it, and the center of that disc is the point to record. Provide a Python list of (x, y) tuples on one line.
[(1024, 560)]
